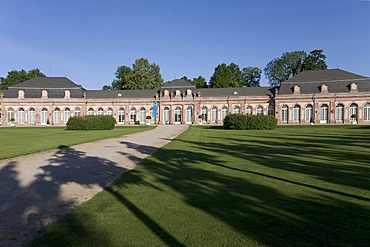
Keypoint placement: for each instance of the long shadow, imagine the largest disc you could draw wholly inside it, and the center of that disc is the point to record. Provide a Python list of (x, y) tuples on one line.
[(25, 210)]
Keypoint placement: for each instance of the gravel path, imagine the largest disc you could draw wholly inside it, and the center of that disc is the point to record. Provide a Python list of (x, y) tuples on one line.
[(38, 189)]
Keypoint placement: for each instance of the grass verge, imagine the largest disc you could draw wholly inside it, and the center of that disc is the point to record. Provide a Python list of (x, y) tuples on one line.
[(292, 186)]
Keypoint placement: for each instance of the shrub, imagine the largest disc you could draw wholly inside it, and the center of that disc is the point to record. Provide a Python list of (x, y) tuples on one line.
[(249, 122), (91, 123)]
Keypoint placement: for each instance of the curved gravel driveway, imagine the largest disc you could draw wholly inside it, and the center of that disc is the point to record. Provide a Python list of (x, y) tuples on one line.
[(38, 189)]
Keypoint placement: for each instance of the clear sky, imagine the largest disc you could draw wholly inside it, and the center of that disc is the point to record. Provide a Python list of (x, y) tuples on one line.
[(87, 40)]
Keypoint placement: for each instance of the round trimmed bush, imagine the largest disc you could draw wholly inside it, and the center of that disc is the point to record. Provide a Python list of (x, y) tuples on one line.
[(250, 122), (91, 123)]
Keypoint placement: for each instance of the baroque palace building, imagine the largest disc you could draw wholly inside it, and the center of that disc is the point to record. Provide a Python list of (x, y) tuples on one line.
[(322, 97)]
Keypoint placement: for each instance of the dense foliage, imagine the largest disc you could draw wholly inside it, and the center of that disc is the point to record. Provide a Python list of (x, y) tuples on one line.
[(15, 77), (250, 122), (91, 123)]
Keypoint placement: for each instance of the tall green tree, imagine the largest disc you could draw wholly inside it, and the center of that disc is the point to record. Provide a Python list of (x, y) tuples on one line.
[(251, 76), (315, 61), (292, 63), (226, 76), (142, 75), (18, 76)]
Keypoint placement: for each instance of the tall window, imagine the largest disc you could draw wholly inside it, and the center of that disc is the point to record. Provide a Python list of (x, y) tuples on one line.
[(297, 113), (166, 115), (236, 110), (339, 112), (77, 112), (44, 116), (10, 114), (223, 112), (284, 113), (32, 116), (121, 115), (110, 112), (367, 112), (100, 111), (324, 114), (271, 110), (90, 112), (142, 115), (214, 114), (353, 112), (178, 115), (21, 116), (189, 114), (56, 115), (249, 110), (133, 115), (309, 113), (204, 113), (67, 114), (259, 110)]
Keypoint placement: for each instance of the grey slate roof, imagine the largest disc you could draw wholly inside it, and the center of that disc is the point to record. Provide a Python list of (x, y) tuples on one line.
[(239, 91), (338, 81), (36, 93), (178, 84), (101, 94), (46, 83)]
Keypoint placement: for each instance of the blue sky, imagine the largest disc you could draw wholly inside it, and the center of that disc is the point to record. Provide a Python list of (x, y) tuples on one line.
[(87, 40)]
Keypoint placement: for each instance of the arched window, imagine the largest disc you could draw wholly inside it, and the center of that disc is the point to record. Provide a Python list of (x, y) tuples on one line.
[(249, 110), (339, 112), (259, 110), (67, 114), (77, 112), (178, 115), (353, 112), (214, 114), (100, 111), (44, 116), (121, 115), (90, 112), (57, 115), (21, 116), (189, 115), (166, 115), (236, 110), (142, 115), (204, 113), (110, 112), (133, 115), (309, 113), (367, 112), (10, 113), (296, 113), (223, 112), (324, 114), (32, 116), (271, 110), (284, 113)]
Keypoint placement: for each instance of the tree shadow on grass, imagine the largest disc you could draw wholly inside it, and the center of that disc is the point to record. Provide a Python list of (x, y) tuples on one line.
[(25, 209)]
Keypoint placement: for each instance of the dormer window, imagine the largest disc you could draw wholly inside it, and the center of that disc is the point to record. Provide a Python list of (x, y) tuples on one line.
[(189, 92), (67, 94), (235, 92), (166, 93), (296, 89), (119, 95), (324, 88), (44, 94), (354, 87), (20, 94)]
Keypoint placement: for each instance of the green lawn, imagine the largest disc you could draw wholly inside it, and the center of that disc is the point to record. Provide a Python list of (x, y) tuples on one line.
[(21, 141), (292, 186)]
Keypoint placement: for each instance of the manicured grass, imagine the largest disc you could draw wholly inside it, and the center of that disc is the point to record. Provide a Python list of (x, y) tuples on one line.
[(292, 186), (21, 141)]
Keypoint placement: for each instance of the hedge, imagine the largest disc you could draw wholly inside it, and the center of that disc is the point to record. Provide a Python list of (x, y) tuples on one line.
[(91, 123), (250, 122)]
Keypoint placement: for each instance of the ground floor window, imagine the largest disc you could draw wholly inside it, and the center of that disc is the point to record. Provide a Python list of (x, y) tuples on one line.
[(339, 112), (100, 112), (32, 116), (249, 110), (353, 112), (284, 113), (56, 115), (204, 114), (309, 113), (214, 114), (296, 113), (90, 112), (121, 115), (367, 112), (67, 114), (166, 115), (10, 114), (189, 115), (142, 115), (236, 110), (21, 116), (44, 116), (133, 115), (110, 112), (178, 115), (77, 112), (259, 110), (223, 112), (271, 110), (324, 114)]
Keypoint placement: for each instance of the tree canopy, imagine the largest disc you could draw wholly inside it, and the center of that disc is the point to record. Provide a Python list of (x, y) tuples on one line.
[(142, 75), (226, 76), (251, 76), (292, 63), (15, 77), (198, 82)]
